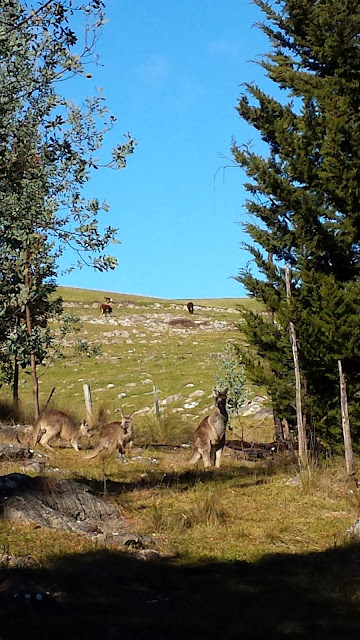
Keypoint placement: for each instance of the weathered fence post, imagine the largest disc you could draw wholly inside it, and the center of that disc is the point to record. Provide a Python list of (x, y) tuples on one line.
[(88, 404), (156, 403), (303, 457), (349, 455)]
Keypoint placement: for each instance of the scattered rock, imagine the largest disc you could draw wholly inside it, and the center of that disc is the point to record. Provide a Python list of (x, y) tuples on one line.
[(354, 529), (197, 394), (63, 504), (295, 481), (9, 451)]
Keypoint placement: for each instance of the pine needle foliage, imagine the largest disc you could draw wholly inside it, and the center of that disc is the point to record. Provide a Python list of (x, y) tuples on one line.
[(304, 210)]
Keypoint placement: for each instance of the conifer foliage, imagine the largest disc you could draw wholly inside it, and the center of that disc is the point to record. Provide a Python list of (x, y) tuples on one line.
[(304, 210)]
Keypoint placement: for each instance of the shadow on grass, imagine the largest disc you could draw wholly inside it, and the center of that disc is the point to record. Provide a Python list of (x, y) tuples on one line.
[(108, 595), (181, 481)]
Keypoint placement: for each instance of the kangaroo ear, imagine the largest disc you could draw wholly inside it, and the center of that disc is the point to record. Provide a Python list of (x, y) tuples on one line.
[(225, 391)]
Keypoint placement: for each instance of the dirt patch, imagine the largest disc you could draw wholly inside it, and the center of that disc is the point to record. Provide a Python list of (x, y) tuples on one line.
[(186, 323)]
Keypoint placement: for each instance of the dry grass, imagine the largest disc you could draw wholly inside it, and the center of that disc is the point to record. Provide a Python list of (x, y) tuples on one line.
[(235, 529)]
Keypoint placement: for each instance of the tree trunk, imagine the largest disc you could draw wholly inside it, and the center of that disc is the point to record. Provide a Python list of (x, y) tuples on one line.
[(303, 457), (32, 355), (277, 426), (286, 429), (16, 383), (349, 455)]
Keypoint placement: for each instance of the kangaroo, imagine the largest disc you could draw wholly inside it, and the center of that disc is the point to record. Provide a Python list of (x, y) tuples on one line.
[(115, 435), (54, 424), (209, 437)]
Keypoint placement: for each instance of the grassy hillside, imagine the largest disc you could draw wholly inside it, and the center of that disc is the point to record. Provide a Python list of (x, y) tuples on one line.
[(144, 343)]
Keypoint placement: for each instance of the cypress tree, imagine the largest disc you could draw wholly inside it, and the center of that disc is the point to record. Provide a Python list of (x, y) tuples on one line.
[(304, 196)]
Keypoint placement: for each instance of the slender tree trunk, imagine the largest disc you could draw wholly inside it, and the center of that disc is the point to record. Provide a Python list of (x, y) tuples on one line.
[(16, 382), (277, 426), (32, 355), (303, 454), (286, 429), (349, 455)]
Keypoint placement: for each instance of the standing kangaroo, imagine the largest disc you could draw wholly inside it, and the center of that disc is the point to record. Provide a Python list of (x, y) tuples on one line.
[(54, 424), (209, 437), (115, 435)]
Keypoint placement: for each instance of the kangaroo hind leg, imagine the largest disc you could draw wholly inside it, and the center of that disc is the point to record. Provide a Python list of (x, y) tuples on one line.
[(195, 457), (45, 439)]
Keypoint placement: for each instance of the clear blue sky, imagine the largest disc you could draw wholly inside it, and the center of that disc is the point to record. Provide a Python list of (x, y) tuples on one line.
[(171, 74)]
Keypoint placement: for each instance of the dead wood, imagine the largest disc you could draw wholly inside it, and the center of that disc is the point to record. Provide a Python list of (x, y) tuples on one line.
[(9, 451)]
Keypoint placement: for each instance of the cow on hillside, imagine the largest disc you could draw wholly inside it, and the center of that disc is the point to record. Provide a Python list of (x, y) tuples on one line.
[(105, 309), (190, 307)]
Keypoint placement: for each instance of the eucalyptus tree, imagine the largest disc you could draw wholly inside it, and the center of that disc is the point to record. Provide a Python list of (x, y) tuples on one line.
[(303, 207), (49, 145)]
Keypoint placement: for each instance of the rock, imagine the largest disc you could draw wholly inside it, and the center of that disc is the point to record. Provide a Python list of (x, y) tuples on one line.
[(295, 481), (170, 399), (9, 451), (34, 466), (197, 394), (354, 529), (64, 504)]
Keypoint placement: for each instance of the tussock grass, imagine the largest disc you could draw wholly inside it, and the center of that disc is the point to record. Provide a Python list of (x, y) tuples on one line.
[(167, 429), (11, 413), (206, 509)]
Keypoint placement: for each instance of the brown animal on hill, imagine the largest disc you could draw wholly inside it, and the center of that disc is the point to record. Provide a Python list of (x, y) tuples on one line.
[(115, 435), (190, 307), (105, 309), (56, 424), (209, 437)]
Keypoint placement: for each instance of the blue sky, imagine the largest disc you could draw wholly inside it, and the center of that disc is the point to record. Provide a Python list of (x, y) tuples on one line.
[(171, 73)]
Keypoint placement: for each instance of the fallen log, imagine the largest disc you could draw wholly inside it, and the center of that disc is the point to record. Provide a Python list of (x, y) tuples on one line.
[(9, 451), (271, 447)]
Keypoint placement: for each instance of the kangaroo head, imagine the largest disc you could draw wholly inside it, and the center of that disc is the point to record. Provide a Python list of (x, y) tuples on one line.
[(126, 420), (84, 429), (220, 398)]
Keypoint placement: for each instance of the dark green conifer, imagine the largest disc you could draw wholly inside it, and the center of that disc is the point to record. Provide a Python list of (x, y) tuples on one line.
[(304, 207)]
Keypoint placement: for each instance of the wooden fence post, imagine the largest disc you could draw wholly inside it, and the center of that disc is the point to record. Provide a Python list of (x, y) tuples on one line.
[(303, 457), (349, 455), (156, 403), (88, 404)]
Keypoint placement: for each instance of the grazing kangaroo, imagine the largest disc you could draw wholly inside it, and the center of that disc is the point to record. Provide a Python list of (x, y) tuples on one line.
[(209, 437), (56, 424), (115, 435)]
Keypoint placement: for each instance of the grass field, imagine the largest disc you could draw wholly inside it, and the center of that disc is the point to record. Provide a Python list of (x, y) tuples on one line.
[(253, 549)]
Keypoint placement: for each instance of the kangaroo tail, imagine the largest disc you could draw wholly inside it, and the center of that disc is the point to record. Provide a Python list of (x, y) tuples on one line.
[(93, 453)]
